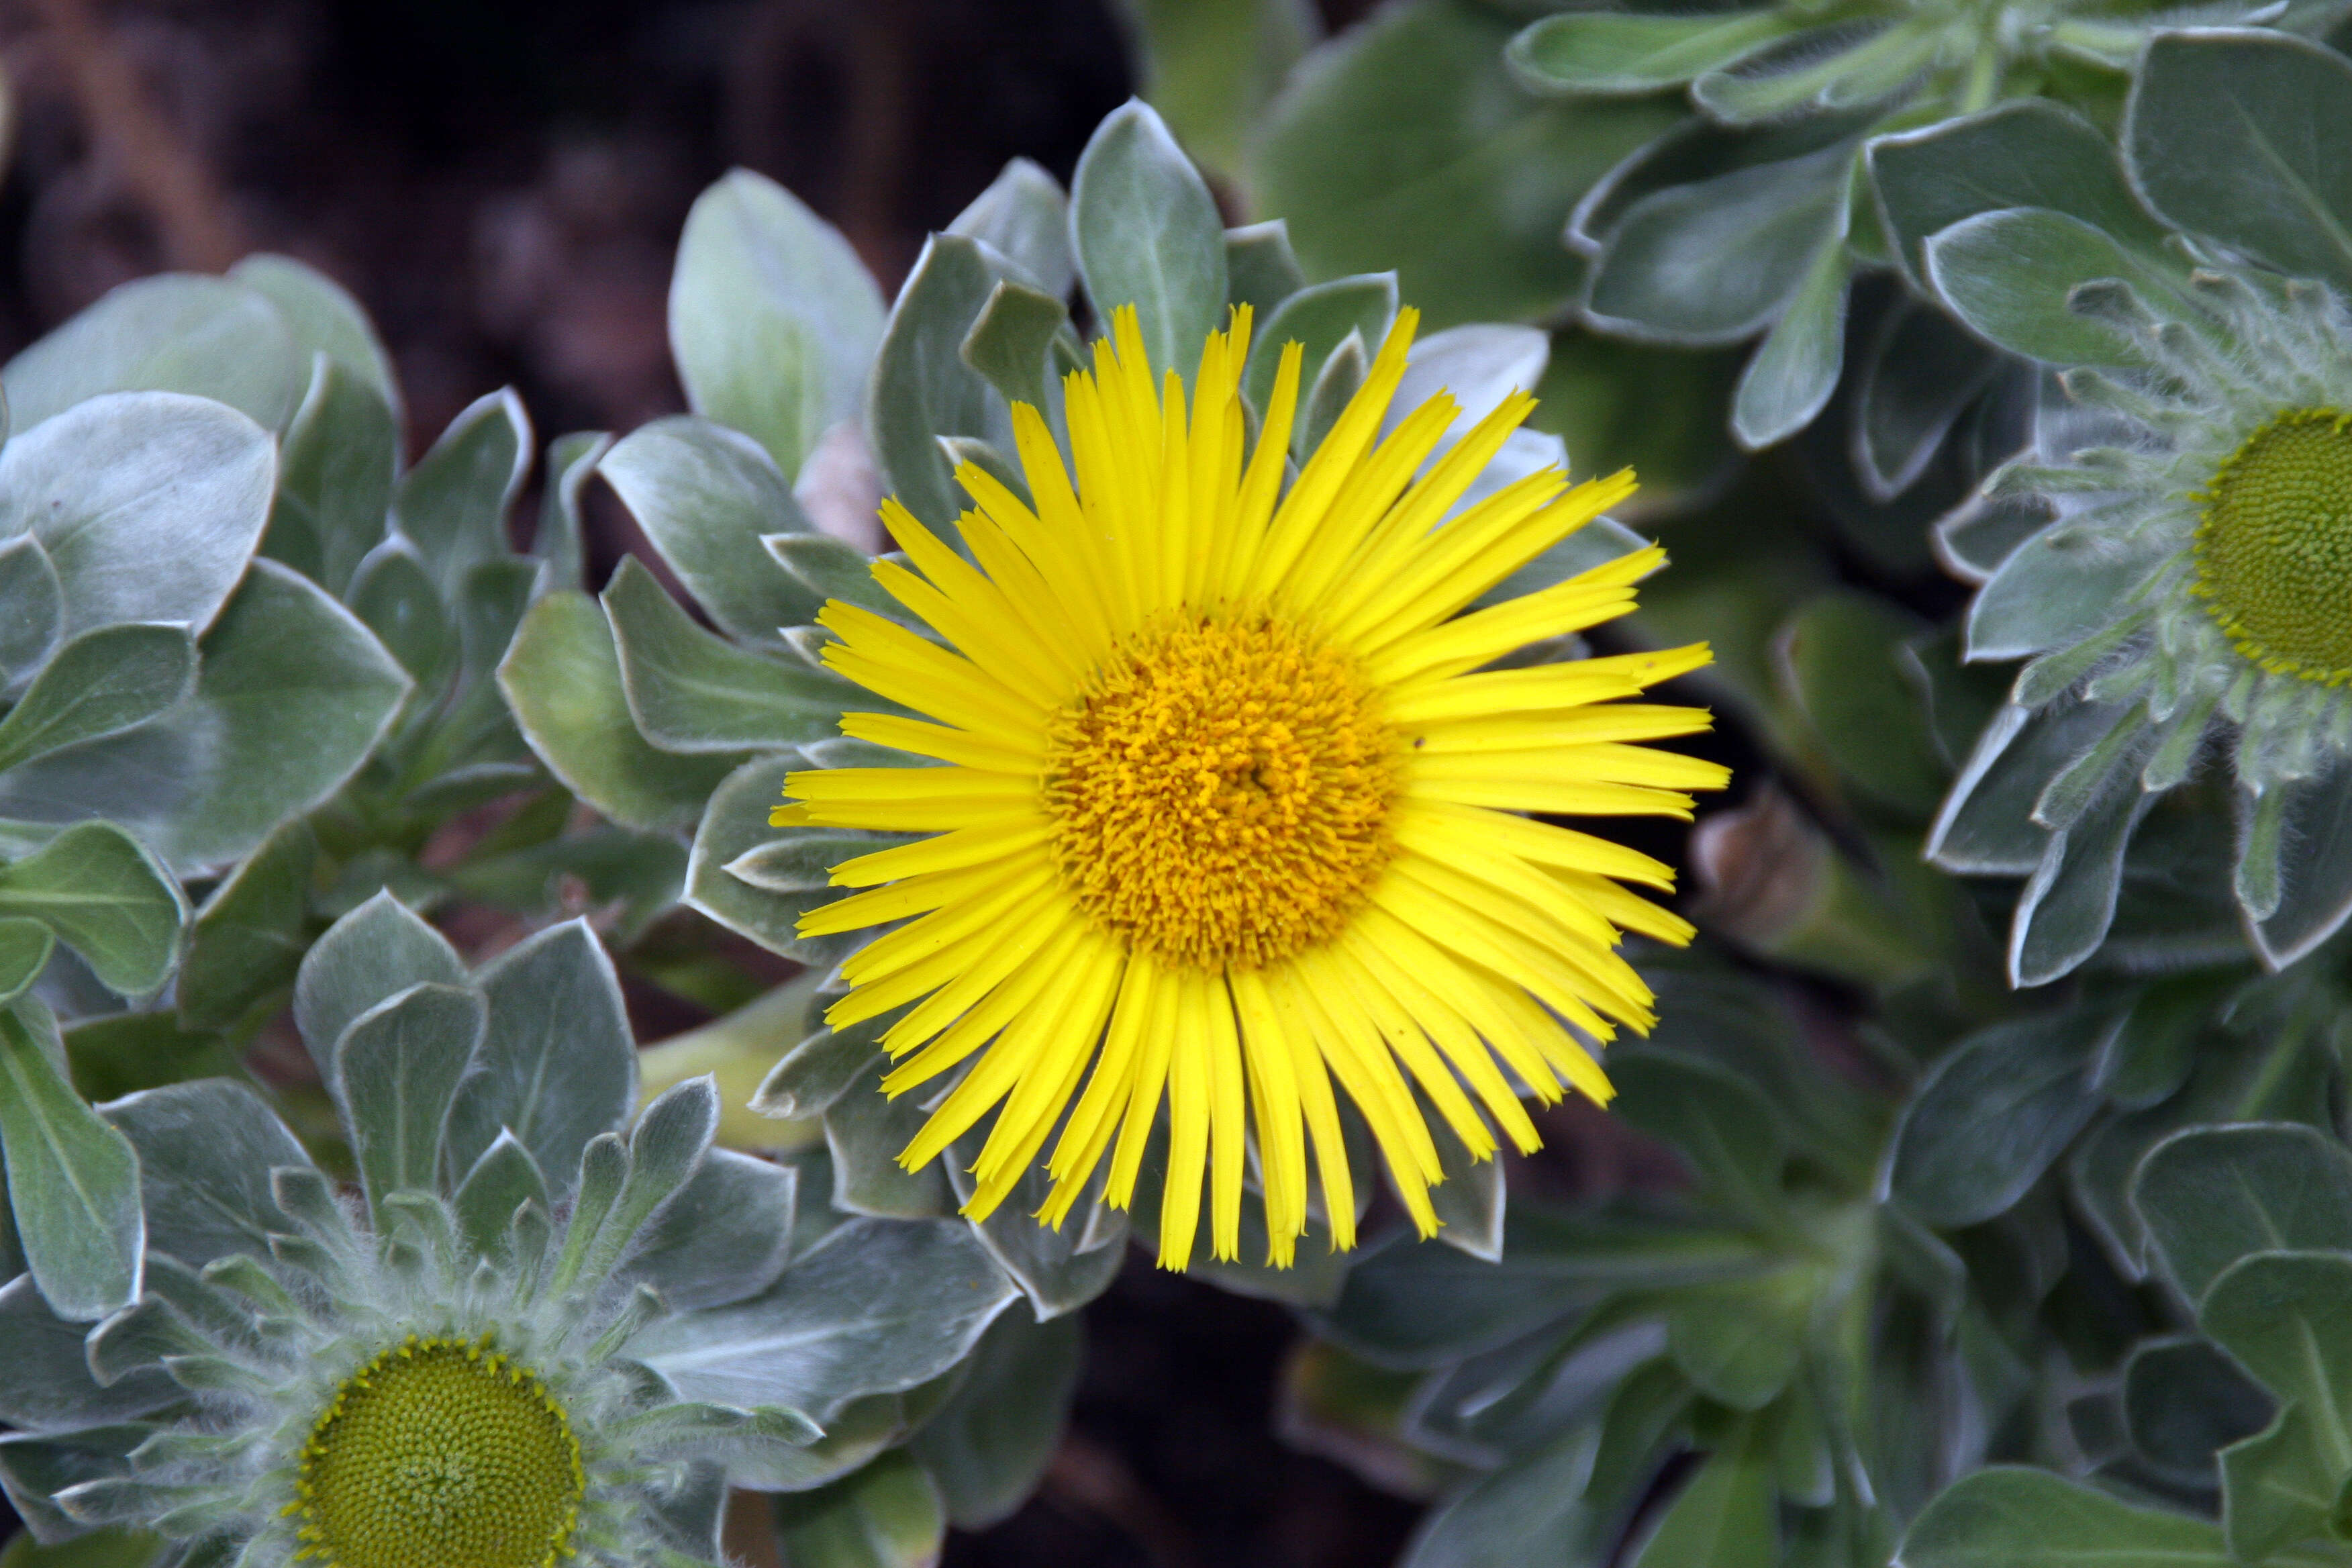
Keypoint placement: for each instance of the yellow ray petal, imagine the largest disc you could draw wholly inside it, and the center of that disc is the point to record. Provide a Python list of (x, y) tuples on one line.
[(998, 752)]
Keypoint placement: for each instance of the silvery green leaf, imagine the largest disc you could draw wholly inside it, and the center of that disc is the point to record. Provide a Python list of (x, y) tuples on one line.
[(558, 1065), (504, 1179), (717, 1432), (1329, 394), (335, 476), (665, 1147), (886, 1515), (990, 1444), (1406, 142), (2010, 274), (2314, 877), (393, 596), (1012, 342), (1920, 374), (1986, 827), (211, 337), (1990, 1116), (2234, 134), (1147, 234), (867, 1129), (772, 319), (453, 504), (35, 1468), (604, 1170), (1477, 366), (1025, 217), (687, 1514), (570, 462), (1048, 1263), (31, 608), (563, 680), (250, 938), (690, 692), (834, 569), (2058, 588), (922, 389), (727, 1235), (48, 1385), (148, 503), (1722, 1127), (2279, 1483), (2281, 1316), (2028, 153), (138, 1338), (704, 495), (25, 948), (105, 897), (2070, 900), (1725, 1515), (1974, 538), (369, 956), (205, 1152), (1795, 368), (803, 862), (1320, 318), (1837, 65), (292, 694), (823, 1067), (1660, 276), (1470, 1201), (1512, 1514), (106, 680), (734, 823), (1596, 52), (397, 1068), (2212, 1195), (322, 317), (209, 1307), (1260, 269), (853, 1436), (73, 1185), (880, 1306)]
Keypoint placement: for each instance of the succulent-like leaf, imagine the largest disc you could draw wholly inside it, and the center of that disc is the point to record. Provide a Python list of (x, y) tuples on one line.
[(772, 318)]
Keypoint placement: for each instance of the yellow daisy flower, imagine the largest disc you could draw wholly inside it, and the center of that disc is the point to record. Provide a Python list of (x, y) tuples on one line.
[(1231, 799)]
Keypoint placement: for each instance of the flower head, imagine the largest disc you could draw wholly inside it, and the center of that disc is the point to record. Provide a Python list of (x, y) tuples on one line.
[(2187, 587), (471, 1362), (1232, 795)]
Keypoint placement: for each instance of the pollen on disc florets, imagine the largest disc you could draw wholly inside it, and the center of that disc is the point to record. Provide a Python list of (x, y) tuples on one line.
[(440, 1453), (2274, 545), (1220, 790)]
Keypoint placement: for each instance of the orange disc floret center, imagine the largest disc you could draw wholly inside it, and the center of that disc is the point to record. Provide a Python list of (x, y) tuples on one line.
[(1220, 790), (440, 1454)]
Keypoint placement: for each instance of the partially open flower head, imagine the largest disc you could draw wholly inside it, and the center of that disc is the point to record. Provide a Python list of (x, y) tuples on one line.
[(2188, 600), (533, 1336), (1232, 795)]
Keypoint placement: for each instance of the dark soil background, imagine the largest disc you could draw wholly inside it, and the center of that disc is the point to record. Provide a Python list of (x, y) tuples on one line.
[(502, 182)]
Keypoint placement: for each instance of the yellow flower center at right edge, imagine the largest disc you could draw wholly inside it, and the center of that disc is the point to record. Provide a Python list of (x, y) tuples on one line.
[(440, 1454), (2275, 547), (1220, 790)]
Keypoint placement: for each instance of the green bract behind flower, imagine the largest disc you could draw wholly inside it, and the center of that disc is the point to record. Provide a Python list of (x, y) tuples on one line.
[(2171, 553), (535, 1335)]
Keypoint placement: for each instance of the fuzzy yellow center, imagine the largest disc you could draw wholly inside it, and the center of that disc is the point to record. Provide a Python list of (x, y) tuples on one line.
[(440, 1454), (2275, 549), (1220, 791)]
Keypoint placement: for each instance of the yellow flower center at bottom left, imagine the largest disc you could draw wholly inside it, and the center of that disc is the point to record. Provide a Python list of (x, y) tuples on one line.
[(440, 1454)]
